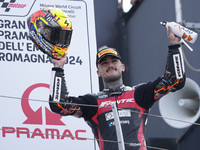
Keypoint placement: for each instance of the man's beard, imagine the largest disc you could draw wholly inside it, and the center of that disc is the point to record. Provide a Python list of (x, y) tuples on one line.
[(112, 78)]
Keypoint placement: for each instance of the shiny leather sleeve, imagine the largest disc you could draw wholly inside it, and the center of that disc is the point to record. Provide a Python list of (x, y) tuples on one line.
[(58, 98), (174, 76)]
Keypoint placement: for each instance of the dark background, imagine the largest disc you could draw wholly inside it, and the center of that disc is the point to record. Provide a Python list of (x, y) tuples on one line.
[(142, 43)]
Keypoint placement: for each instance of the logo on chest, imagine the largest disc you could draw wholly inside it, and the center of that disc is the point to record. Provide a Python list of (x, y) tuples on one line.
[(121, 113), (122, 101)]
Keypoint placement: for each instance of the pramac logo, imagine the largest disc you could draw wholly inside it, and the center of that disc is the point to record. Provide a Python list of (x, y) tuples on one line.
[(15, 7), (35, 117)]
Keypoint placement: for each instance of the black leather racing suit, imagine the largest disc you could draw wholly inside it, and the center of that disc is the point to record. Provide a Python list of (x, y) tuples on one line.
[(132, 104)]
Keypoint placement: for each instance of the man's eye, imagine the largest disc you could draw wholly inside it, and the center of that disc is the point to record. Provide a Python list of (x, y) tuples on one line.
[(104, 62), (114, 60)]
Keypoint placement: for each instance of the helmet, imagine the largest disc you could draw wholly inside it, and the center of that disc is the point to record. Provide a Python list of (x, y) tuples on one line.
[(51, 30)]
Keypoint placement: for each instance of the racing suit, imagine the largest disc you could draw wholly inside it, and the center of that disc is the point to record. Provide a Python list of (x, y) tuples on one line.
[(133, 103)]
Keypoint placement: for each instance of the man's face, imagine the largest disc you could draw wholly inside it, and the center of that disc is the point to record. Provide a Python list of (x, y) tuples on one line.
[(110, 69)]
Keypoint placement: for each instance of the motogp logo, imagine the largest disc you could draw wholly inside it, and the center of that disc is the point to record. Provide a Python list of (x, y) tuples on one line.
[(17, 8), (11, 4)]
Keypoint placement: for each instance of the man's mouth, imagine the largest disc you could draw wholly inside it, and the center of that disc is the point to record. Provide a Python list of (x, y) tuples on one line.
[(111, 68)]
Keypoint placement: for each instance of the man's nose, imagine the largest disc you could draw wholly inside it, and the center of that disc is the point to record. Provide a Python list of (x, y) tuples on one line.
[(110, 64)]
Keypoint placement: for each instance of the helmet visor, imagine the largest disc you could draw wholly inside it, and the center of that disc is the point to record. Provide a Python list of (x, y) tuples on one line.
[(57, 35)]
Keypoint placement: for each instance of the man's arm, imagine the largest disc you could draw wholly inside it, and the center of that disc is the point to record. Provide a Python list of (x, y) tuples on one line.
[(173, 79), (63, 104), (58, 99), (174, 76)]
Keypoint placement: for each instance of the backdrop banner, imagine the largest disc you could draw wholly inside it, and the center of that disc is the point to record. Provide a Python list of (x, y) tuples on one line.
[(26, 121)]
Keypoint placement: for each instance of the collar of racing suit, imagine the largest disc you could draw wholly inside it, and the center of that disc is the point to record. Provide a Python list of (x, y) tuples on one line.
[(119, 90)]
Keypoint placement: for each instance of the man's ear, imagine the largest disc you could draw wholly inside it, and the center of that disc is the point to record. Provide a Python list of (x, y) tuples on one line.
[(98, 73), (123, 67)]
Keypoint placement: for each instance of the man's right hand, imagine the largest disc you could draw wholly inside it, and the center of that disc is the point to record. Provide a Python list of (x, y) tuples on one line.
[(59, 63), (173, 39)]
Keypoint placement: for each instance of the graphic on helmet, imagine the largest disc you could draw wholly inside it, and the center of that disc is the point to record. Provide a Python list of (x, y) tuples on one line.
[(51, 30)]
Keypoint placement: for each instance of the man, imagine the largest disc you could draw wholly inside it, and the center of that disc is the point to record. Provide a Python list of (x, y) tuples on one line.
[(129, 100)]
